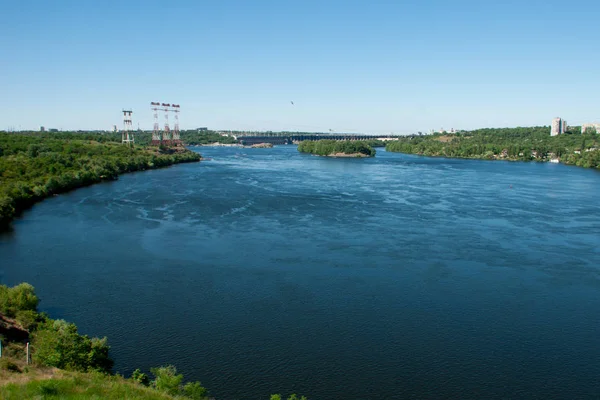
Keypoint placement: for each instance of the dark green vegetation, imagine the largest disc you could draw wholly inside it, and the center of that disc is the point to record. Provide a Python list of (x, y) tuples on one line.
[(189, 138), (57, 344), (193, 138), (35, 166), (68, 365), (77, 385), (332, 147), (525, 144)]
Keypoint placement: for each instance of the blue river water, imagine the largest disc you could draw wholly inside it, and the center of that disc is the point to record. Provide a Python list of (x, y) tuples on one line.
[(268, 271)]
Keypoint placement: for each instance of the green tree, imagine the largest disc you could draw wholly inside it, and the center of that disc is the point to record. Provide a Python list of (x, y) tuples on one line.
[(57, 343), (166, 379), (195, 390), (291, 397), (140, 377), (17, 299)]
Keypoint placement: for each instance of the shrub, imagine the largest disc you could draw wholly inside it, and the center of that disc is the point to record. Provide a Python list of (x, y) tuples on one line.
[(167, 379), (58, 344), (48, 388), (14, 350), (291, 397), (18, 298), (27, 318), (195, 390), (140, 377), (8, 365)]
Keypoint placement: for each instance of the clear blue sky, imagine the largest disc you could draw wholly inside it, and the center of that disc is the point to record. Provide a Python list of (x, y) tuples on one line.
[(363, 66)]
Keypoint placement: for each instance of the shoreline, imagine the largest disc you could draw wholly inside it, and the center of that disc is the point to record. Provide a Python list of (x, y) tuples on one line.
[(75, 180), (550, 161), (216, 144), (346, 155)]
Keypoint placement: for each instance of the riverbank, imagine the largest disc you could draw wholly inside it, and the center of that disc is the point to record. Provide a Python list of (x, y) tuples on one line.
[(217, 144), (347, 155), (34, 167), (574, 160), (183, 241), (509, 144), (50, 357)]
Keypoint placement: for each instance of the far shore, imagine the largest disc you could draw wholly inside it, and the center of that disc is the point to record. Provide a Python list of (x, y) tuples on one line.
[(348, 155), (217, 144)]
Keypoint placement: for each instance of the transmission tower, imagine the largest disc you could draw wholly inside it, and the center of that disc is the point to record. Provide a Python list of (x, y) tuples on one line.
[(127, 134), (176, 137), (166, 139), (156, 131)]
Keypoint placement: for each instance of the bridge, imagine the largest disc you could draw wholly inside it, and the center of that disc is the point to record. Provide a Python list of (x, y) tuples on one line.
[(295, 138)]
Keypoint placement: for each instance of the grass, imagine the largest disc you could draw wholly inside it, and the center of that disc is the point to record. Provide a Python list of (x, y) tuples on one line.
[(52, 383)]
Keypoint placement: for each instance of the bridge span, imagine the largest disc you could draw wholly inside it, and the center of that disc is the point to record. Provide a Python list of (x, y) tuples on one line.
[(295, 138)]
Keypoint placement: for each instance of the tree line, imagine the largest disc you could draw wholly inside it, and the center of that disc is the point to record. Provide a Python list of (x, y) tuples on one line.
[(524, 144), (34, 166)]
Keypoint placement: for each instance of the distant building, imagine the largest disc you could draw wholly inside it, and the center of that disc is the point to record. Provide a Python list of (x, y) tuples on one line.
[(52, 130), (590, 127), (115, 129), (202, 129), (42, 129), (559, 126)]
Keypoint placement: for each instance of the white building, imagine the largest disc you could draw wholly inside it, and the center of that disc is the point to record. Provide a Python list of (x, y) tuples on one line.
[(558, 127), (586, 127)]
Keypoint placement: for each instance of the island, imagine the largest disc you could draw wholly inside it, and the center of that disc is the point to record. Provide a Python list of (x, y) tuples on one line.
[(260, 146), (333, 148)]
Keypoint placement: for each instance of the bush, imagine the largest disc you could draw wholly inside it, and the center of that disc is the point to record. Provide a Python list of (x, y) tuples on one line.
[(58, 344), (8, 365), (18, 298), (48, 388), (14, 350), (140, 377), (195, 390), (167, 379), (27, 318)]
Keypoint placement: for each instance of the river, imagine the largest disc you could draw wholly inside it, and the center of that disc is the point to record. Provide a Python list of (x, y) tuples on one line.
[(268, 271)]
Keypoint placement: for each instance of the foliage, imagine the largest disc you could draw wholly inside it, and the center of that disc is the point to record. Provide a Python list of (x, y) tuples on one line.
[(35, 166), (329, 147), (57, 343), (523, 144), (194, 390), (375, 143), (18, 300), (8, 365), (205, 137), (80, 386), (167, 380), (140, 377), (28, 318), (291, 397), (14, 350)]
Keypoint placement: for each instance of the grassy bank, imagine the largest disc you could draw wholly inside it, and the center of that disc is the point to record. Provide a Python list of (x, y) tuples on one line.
[(36, 166), (75, 385), (65, 364)]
